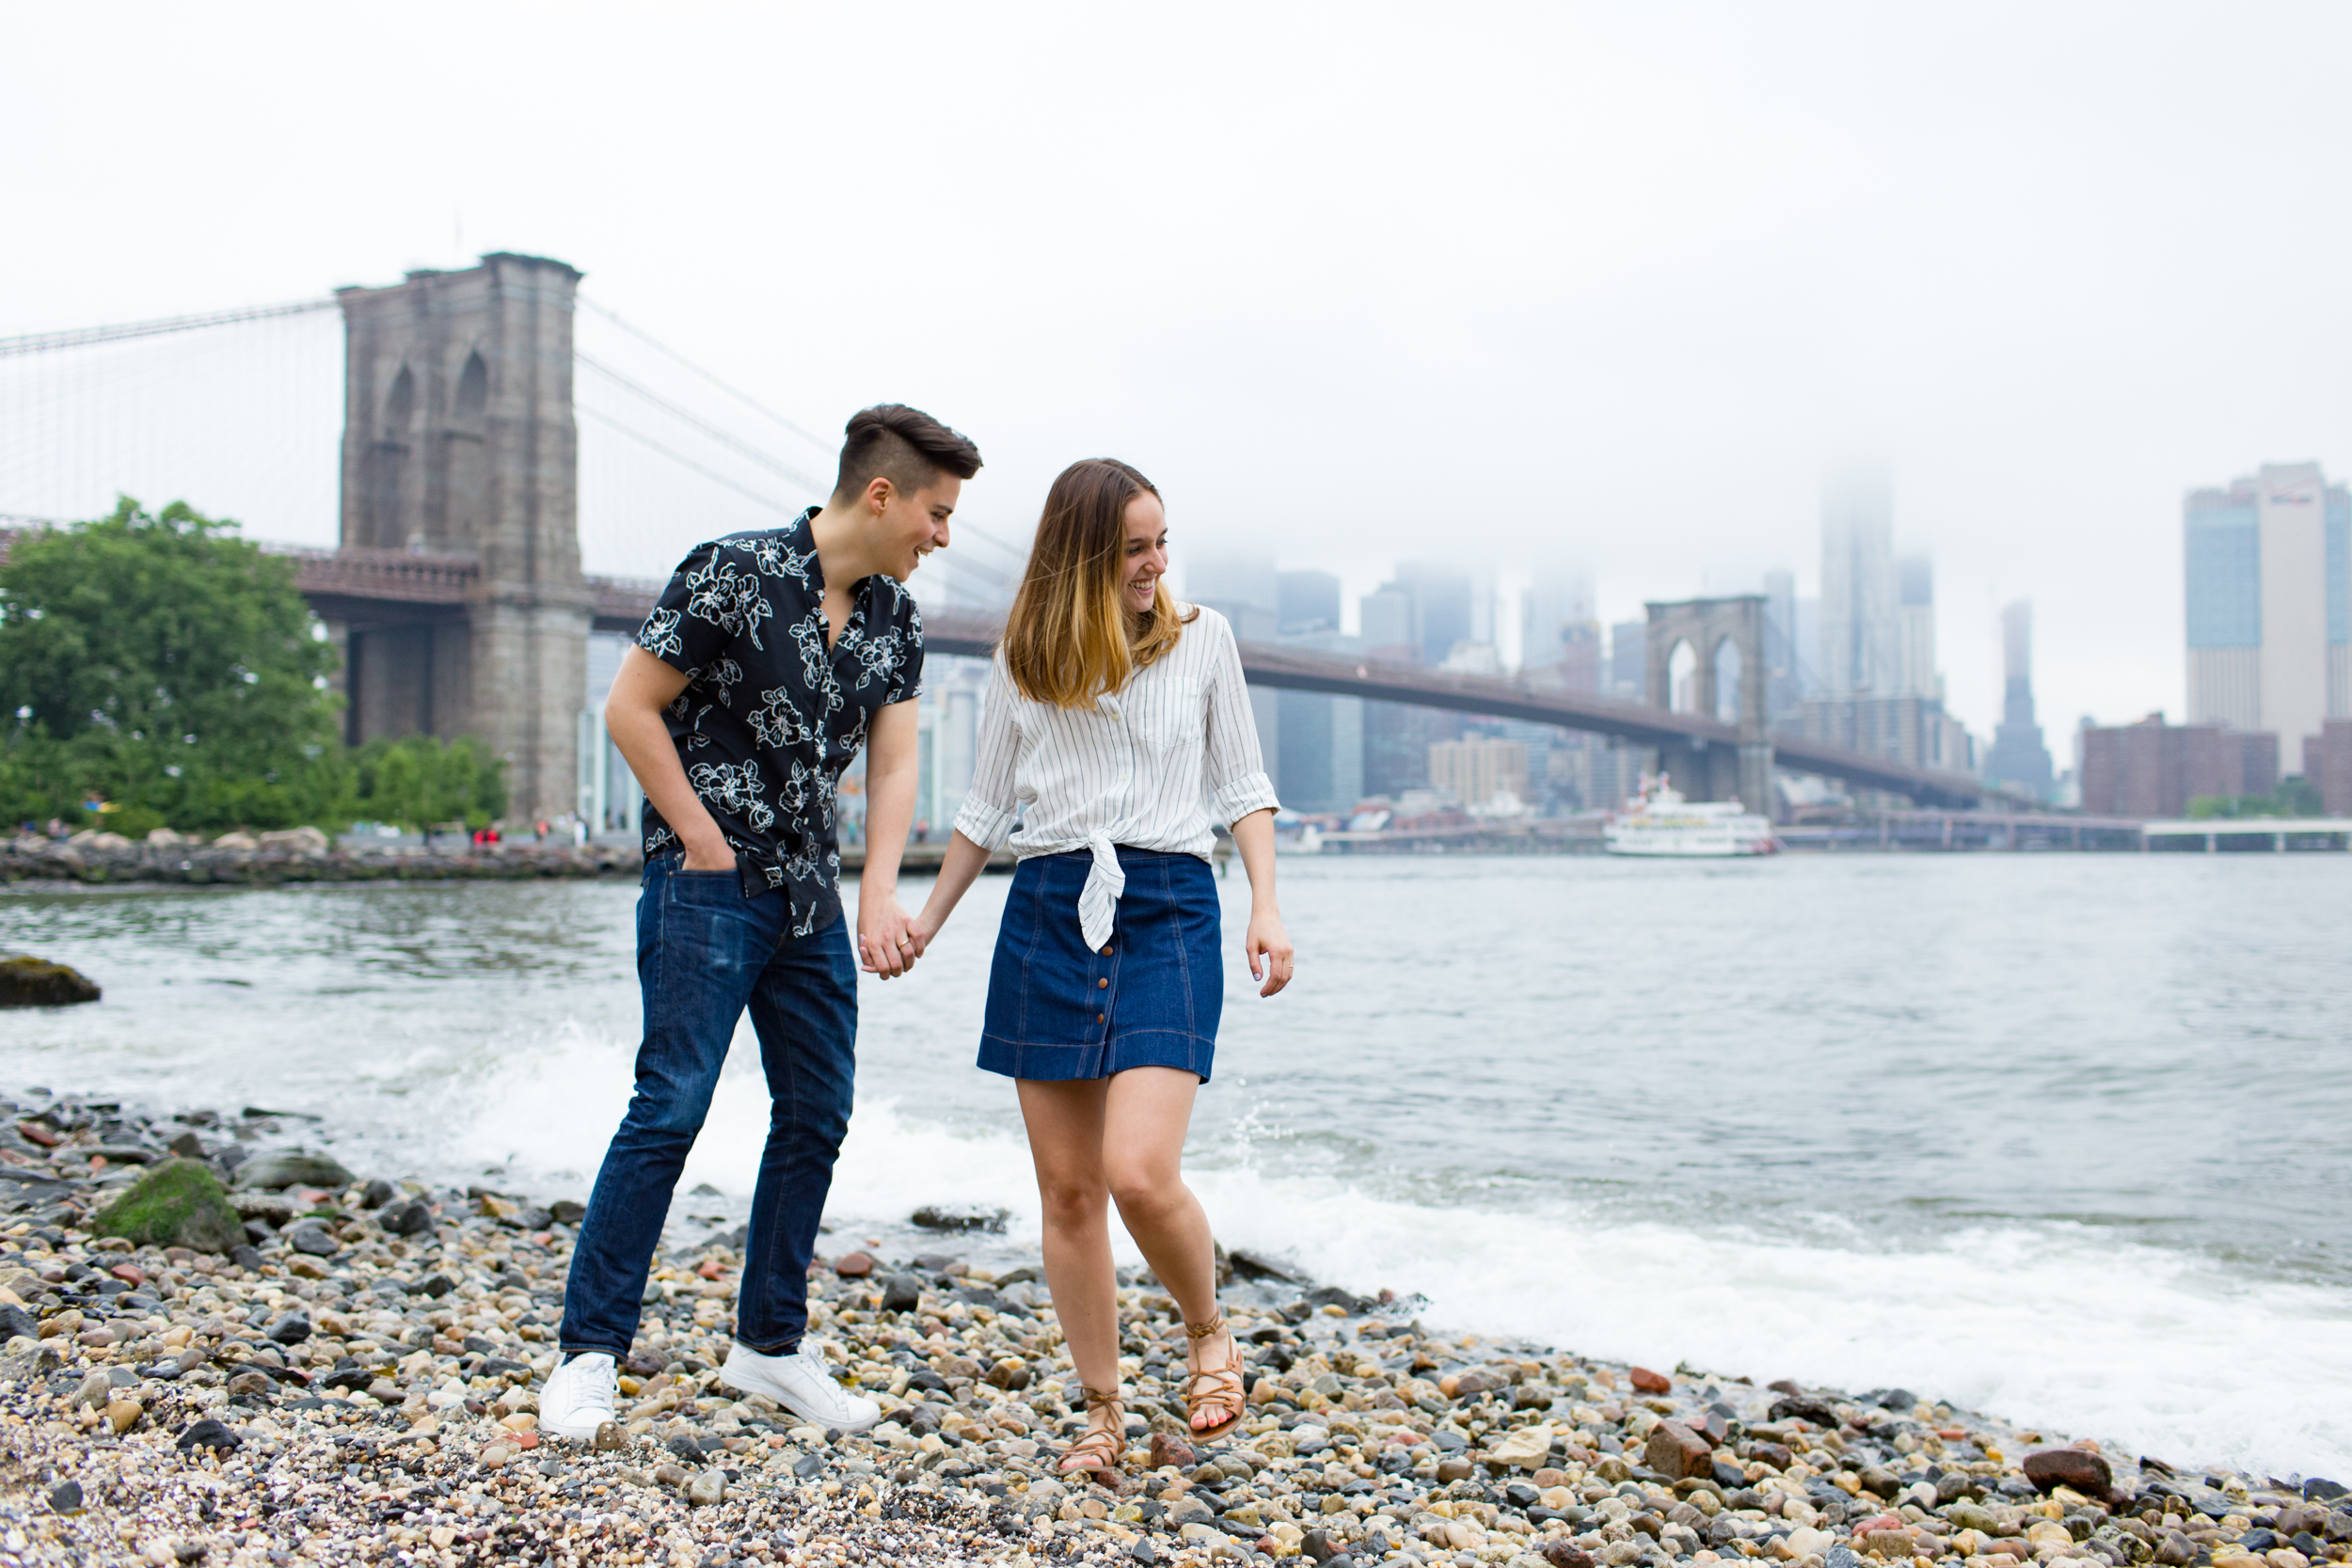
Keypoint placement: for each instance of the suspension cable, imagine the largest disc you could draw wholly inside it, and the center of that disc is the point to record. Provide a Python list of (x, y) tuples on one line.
[(745, 398), (82, 336), (685, 416)]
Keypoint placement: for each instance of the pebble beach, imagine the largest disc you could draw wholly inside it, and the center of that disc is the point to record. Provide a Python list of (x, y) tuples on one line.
[(329, 1367)]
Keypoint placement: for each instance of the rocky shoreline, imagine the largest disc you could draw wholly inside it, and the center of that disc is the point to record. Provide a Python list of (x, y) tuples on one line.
[(298, 855), (349, 1379)]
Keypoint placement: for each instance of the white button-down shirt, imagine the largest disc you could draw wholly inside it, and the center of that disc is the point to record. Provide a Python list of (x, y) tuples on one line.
[(1144, 767)]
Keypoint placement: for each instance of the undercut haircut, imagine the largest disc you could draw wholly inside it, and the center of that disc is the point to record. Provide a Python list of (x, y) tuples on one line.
[(903, 445)]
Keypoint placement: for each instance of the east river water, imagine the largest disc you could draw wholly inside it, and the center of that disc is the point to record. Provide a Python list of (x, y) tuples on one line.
[(2060, 1137)]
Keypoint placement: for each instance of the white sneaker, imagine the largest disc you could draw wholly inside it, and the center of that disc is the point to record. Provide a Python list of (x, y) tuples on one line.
[(578, 1398), (801, 1382)]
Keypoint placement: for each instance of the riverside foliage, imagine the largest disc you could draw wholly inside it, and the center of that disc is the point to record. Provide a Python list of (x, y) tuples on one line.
[(159, 670)]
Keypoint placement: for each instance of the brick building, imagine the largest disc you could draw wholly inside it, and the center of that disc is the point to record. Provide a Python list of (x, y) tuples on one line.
[(2152, 769)]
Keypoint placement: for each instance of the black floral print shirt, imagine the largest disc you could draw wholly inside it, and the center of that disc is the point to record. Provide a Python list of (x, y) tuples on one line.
[(771, 716)]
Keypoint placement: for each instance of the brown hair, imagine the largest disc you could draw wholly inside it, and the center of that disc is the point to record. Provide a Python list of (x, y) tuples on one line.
[(903, 445), (1069, 639)]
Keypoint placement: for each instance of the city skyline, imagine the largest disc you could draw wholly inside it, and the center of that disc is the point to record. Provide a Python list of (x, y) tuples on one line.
[(1608, 283)]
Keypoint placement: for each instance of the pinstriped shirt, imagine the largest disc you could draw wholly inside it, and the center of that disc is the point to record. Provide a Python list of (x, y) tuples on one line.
[(1145, 766)]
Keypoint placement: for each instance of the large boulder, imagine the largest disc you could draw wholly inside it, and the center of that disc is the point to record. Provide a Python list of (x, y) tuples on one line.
[(30, 982), (2079, 1468), (286, 1168), (177, 1203)]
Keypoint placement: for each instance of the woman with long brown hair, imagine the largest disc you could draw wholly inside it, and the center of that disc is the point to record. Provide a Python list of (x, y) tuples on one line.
[(1114, 721)]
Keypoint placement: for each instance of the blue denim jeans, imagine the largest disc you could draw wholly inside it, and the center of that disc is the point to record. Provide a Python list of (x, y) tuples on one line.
[(705, 953)]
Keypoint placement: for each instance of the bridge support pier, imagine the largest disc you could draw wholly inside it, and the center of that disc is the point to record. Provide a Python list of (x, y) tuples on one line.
[(459, 443), (1707, 627)]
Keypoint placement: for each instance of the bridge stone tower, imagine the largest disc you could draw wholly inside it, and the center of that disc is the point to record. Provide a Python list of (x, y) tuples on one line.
[(459, 442), (1705, 625)]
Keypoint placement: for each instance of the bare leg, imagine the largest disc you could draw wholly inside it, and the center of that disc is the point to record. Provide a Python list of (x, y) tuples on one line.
[(1065, 1126), (1149, 1110)]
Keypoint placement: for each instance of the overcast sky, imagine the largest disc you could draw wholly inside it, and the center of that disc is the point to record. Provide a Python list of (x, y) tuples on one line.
[(1618, 284)]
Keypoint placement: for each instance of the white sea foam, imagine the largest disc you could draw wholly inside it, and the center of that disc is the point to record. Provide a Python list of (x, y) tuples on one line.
[(2161, 1352)]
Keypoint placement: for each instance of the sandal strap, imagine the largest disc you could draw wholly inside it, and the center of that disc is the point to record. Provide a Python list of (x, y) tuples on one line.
[(1098, 1399), (1202, 1330)]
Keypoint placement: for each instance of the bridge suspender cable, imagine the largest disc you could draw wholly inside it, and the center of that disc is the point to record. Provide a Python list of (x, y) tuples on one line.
[(745, 398), (82, 337), (685, 415)]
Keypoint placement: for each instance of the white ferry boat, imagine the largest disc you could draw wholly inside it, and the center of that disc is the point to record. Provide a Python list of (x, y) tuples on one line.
[(1659, 821)]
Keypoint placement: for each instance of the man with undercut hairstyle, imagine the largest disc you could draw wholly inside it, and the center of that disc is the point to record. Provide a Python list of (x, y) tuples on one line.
[(771, 659)]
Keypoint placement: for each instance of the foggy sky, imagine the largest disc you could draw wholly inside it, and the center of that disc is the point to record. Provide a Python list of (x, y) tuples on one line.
[(1618, 284)]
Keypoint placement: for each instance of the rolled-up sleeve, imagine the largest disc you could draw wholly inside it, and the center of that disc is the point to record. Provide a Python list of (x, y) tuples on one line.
[(1236, 766), (988, 809)]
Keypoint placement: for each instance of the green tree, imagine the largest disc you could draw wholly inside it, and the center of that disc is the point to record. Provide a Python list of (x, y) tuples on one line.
[(419, 781), (162, 663)]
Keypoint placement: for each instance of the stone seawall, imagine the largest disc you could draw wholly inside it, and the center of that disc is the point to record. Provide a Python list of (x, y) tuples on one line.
[(39, 860)]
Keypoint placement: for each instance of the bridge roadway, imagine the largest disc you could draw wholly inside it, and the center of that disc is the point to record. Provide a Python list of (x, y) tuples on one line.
[(342, 582)]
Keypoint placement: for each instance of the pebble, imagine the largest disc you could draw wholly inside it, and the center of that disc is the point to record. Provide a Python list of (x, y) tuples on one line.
[(180, 1413)]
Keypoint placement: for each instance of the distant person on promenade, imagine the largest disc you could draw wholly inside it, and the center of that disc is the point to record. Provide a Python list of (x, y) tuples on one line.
[(1113, 718), (771, 659)]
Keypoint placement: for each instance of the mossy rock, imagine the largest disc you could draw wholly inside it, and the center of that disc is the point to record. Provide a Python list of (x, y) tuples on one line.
[(30, 982), (177, 1203)]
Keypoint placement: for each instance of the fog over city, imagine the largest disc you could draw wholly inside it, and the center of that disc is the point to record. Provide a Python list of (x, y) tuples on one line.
[(1616, 286)]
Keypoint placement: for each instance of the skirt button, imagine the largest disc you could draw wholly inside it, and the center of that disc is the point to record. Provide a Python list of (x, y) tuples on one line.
[(1103, 983), (1098, 1018)]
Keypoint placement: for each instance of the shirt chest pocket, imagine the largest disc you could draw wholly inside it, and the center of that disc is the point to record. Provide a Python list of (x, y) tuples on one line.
[(1171, 714)]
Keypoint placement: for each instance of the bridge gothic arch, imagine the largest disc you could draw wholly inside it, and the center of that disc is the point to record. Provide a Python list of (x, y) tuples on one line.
[(1718, 687)]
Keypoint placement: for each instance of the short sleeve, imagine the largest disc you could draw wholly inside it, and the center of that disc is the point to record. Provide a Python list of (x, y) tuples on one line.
[(906, 674), (681, 632), (1236, 766)]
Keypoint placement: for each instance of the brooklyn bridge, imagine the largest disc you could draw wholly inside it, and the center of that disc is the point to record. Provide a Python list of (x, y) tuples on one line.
[(456, 596)]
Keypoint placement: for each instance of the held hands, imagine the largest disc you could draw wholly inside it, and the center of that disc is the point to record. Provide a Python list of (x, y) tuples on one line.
[(1269, 949), (888, 942)]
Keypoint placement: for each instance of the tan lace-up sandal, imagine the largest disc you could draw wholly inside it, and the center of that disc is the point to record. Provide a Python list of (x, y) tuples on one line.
[(1100, 1451), (1213, 1389)]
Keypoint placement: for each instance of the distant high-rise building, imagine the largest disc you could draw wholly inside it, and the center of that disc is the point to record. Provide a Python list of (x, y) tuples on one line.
[(1242, 587), (1444, 607), (1915, 616), (1307, 603), (1628, 660), (1784, 686), (1385, 621), (2018, 756), (1861, 634), (2268, 568), (1559, 600)]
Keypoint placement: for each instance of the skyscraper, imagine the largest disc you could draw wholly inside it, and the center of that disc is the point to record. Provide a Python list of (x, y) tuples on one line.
[(2018, 756), (1558, 604), (2268, 570), (1307, 603), (1443, 610), (1861, 635), (1915, 618)]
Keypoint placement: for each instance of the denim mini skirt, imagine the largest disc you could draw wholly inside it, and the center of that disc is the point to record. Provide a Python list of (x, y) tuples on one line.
[(1151, 997)]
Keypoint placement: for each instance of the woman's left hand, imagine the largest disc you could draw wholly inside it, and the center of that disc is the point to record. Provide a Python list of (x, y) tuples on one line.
[(1269, 949)]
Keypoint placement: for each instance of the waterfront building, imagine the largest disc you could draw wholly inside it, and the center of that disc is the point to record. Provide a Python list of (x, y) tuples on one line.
[(2018, 756), (1444, 610), (1861, 631), (2152, 769), (1397, 737), (2333, 771), (2267, 568), (1481, 771)]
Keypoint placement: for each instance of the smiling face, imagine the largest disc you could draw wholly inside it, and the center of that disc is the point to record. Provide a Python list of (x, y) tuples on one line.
[(1146, 548), (908, 526)]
